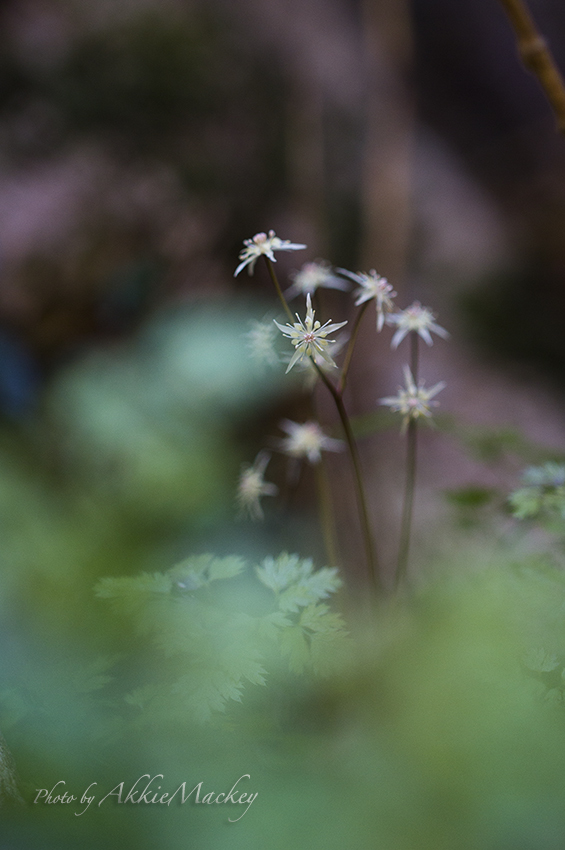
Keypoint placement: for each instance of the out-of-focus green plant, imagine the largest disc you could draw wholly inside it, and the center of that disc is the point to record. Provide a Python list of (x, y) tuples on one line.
[(542, 495), (212, 640)]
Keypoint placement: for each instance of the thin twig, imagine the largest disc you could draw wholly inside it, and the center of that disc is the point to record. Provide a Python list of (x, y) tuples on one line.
[(537, 57)]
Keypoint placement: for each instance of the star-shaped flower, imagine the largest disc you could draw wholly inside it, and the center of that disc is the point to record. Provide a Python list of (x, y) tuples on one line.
[(307, 368), (263, 243), (413, 401), (252, 486), (313, 276), (415, 318), (309, 336), (306, 440), (371, 286)]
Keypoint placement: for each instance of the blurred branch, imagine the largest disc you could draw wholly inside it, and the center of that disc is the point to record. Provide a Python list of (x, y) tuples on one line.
[(537, 57)]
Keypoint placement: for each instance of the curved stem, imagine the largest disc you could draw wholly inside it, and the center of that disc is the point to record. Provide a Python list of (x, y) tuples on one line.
[(350, 347), (282, 299), (370, 552)]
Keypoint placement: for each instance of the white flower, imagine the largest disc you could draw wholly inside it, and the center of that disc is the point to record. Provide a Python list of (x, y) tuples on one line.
[(415, 318), (261, 343), (252, 486), (309, 336), (413, 401), (311, 277), (307, 368), (306, 440), (371, 286), (263, 244)]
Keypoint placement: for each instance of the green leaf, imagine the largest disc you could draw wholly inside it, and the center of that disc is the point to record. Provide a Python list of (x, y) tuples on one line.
[(191, 573), (278, 574), (223, 568), (526, 502), (294, 647), (310, 589)]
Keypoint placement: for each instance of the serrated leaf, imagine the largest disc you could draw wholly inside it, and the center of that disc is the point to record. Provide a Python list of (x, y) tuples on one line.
[(191, 573), (269, 626), (319, 618), (294, 646), (205, 691), (222, 568), (309, 589), (278, 574)]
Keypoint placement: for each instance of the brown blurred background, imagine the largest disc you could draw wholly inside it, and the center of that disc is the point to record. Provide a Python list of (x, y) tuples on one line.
[(140, 143)]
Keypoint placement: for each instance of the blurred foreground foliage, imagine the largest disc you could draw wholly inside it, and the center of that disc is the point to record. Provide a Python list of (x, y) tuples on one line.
[(442, 726), (438, 722)]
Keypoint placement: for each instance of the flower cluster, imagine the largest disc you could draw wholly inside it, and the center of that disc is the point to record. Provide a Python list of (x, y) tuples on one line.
[(314, 352)]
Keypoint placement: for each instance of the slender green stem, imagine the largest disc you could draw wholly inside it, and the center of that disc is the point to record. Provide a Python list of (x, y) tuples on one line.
[(411, 464), (406, 524), (350, 347), (282, 299), (370, 552), (326, 513)]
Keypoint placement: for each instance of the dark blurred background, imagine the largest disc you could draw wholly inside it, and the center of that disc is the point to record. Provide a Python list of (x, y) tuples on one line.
[(140, 143)]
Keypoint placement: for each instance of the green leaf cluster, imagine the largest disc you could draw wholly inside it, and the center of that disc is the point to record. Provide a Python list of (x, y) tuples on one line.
[(543, 493), (205, 636)]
